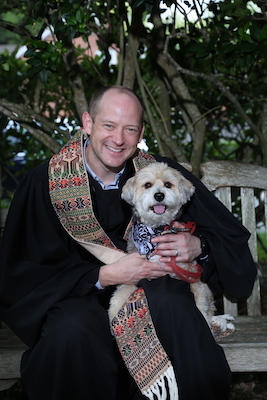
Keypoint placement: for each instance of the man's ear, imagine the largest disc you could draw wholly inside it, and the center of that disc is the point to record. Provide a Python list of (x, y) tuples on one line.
[(87, 122), (141, 133)]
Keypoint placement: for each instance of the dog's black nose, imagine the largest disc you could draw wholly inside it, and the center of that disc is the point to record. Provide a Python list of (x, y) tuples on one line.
[(159, 196)]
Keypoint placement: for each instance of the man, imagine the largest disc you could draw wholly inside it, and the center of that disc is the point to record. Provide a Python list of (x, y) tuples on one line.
[(62, 256)]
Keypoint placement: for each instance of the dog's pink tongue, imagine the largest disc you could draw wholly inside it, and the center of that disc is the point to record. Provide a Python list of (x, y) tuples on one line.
[(159, 209)]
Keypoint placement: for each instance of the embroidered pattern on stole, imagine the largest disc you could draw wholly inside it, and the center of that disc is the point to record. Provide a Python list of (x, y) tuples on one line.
[(141, 349)]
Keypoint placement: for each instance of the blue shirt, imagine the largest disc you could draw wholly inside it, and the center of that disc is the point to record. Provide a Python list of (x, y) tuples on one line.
[(112, 185)]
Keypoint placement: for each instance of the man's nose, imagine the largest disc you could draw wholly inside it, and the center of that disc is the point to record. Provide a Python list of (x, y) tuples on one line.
[(118, 136)]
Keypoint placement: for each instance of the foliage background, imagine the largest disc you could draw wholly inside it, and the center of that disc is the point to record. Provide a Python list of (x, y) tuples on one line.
[(199, 67)]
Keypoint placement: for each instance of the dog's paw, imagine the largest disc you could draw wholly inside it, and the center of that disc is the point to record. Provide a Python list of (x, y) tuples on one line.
[(229, 317), (221, 325), (223, 321)]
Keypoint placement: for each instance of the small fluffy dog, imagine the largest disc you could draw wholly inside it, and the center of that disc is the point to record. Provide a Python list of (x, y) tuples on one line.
[(157, 194)]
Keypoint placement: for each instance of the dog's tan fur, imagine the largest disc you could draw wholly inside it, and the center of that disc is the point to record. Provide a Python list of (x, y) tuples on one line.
[(139, 191)]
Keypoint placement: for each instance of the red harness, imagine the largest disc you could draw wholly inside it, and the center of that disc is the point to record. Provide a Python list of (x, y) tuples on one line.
[(188, 276)]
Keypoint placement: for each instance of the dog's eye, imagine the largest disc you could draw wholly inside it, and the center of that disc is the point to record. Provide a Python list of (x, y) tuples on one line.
[(147, 185), (168, 185)]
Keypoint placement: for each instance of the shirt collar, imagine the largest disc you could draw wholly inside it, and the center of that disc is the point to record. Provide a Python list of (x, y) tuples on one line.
[(112, 185)]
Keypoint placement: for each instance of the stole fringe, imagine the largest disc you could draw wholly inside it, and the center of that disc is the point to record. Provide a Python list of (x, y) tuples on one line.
[(158, 388)]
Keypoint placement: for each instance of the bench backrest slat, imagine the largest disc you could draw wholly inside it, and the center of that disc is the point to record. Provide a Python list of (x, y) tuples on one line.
[(222, 177)]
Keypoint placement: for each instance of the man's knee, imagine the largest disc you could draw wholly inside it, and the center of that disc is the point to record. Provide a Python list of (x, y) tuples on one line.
[(75, 318)]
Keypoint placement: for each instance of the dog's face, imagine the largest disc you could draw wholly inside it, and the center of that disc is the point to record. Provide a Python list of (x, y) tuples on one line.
[(157, 193)]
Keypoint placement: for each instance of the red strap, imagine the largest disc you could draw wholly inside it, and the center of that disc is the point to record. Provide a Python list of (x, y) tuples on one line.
[(188, 276), (190, 225)]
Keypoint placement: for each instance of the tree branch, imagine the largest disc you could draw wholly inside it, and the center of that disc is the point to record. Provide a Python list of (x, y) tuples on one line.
[(75, 81), (26, 117), (166, 138), (196, 124)]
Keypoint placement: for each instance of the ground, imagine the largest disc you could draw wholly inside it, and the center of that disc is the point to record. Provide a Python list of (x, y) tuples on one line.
[(244, 387), (249, 386)]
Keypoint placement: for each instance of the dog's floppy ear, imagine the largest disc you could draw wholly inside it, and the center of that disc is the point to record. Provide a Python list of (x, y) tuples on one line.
[(185, 186), (187, 189), (128, 190)]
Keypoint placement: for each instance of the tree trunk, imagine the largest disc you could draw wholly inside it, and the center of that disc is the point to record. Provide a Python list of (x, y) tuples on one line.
[(196, 125), (75, 81)]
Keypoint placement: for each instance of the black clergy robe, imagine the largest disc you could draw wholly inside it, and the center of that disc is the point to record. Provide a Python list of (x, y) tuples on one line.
[(47, 276)]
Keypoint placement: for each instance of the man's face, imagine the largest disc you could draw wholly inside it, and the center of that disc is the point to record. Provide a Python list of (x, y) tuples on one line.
[(115, 132)]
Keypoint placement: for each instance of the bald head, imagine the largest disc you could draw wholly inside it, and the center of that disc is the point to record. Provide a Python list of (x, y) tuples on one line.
[(96, 100)]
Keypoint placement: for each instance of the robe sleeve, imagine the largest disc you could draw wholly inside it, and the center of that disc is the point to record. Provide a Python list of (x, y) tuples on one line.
[(230, 268), (40, 263)]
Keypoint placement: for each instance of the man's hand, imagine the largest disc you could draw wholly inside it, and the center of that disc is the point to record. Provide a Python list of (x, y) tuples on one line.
[(184, 246), (130, 269)]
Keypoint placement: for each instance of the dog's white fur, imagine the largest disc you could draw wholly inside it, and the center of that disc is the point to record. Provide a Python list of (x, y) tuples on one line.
[(160, 185)]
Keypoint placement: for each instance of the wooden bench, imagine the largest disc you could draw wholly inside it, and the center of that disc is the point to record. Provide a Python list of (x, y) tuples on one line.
[(246, 349), (11, 350)]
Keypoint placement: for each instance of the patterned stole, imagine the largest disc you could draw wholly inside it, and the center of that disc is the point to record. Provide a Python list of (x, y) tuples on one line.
[(133, 328), (141, 349)]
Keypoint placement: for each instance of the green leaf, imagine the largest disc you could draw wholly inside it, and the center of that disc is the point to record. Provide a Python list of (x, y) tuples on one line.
[(230, 60), (43, 75), (54, 17), (35, 62), (229, 48), (246, 47), (79, 15), (6, 66), (263, 35), (54, 56), (3, 59), (46, 56), (37, 5), (29, 53), (255, 32), (202, 53), (72, 20), (243, 33)]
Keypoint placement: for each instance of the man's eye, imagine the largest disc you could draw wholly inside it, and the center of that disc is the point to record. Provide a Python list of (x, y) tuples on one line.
[(168, 185), (108, 126), (147, 185), (131, 130)]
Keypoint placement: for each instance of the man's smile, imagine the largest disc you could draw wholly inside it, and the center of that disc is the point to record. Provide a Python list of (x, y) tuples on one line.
[(113, 149)]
